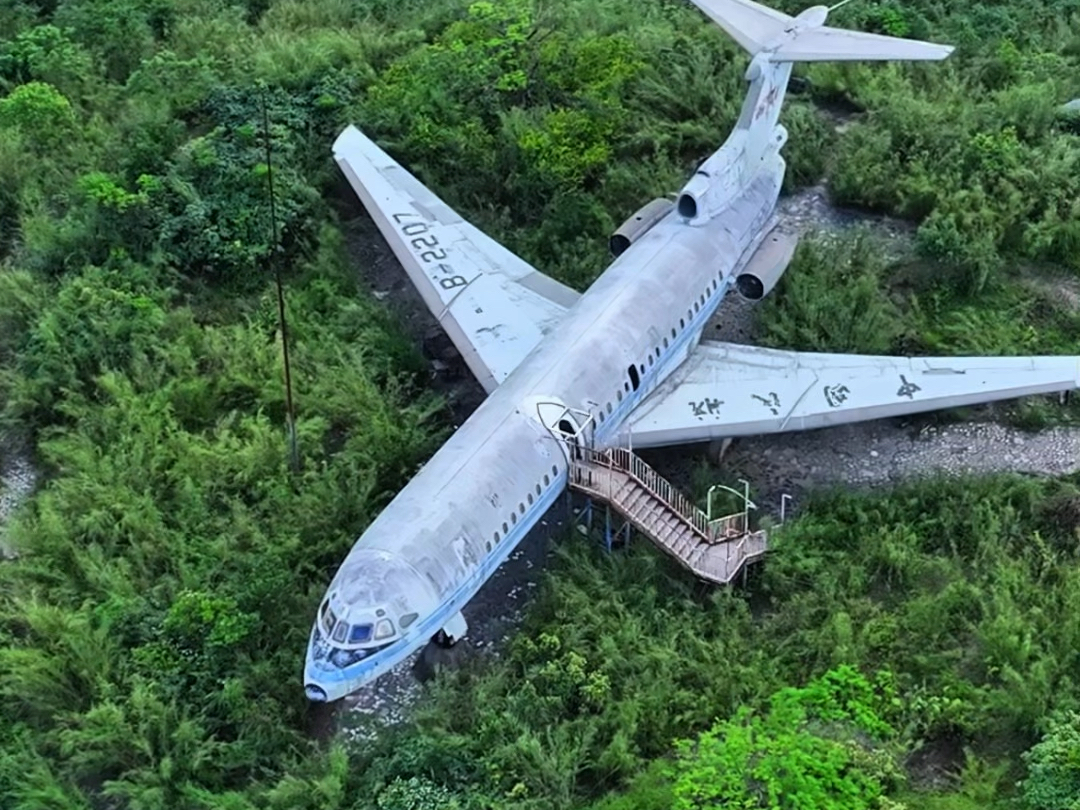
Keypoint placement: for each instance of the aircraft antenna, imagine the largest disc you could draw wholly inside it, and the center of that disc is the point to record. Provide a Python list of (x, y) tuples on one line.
[(275, 249)]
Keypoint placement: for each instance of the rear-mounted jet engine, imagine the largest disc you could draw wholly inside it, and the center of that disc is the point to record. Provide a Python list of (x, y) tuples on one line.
[(763, 270), (637, 225)]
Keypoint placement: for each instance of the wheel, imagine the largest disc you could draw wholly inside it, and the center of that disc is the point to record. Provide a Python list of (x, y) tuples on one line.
[(442, 639)]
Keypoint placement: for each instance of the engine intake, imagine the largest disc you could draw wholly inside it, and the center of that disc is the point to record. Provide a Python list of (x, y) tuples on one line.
[(637, 225), (767, 265)]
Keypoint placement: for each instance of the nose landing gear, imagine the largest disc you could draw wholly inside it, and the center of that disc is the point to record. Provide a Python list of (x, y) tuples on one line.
[(452, 632)]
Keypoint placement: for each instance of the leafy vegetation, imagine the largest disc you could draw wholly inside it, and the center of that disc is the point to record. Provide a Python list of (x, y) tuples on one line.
[(169, 566)]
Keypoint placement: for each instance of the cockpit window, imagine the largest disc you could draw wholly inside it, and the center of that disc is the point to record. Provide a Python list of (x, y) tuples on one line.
[(360, 633), (407, 619), (339, 632), (329, 619)]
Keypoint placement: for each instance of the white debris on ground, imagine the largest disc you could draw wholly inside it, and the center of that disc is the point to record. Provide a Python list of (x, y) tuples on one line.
[(17, 480)]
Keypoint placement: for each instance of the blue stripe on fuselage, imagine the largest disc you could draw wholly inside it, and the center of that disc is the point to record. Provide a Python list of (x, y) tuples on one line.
[(356, 675)]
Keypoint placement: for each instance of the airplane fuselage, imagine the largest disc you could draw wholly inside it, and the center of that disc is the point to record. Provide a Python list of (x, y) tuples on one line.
[(459, 518)]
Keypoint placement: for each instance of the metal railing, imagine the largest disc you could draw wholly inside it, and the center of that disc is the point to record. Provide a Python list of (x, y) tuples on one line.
[(622, 460), (732, 530)]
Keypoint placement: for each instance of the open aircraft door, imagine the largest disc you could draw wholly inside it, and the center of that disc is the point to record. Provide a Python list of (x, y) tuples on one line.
[(571, 428)]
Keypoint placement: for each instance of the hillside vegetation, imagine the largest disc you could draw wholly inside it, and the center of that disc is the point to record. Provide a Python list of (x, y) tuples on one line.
[(900, 650)]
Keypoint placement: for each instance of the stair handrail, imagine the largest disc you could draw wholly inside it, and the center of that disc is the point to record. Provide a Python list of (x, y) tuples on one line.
[(624, 461)]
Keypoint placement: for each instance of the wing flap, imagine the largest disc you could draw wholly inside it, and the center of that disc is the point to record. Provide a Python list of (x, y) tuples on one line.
[(494, 305), (726, 389)]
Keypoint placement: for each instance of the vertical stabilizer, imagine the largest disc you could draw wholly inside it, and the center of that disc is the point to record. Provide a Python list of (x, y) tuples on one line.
[(775, 40)]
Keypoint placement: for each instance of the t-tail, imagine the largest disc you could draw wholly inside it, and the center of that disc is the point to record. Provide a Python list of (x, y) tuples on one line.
[(776, 40)]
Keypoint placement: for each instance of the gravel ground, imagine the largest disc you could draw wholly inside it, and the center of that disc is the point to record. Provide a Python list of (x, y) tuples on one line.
[(876, 454), (17, 480)]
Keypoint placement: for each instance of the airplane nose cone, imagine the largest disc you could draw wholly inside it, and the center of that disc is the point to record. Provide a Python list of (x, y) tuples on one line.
[(315, 693)]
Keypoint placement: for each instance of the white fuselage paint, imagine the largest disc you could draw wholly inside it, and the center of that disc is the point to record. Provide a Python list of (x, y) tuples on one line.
[(435, 544)]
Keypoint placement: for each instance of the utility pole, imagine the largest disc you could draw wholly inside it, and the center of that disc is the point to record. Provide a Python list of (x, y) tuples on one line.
[(290, 414)]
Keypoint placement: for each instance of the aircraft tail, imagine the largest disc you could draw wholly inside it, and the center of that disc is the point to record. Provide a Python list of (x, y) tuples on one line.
[(805, 38)]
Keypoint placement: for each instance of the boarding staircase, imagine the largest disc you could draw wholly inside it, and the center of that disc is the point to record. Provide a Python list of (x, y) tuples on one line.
[(714, 550)]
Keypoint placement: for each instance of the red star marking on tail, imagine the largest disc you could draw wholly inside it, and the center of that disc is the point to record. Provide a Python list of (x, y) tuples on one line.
[(769, 100)]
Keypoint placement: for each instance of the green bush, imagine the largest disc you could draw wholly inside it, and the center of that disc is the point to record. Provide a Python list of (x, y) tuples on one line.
[(1053, 779)]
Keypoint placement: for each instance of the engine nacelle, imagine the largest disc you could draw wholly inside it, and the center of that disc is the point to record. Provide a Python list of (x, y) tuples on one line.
[(637, 225), (719, 180), (760, 274)]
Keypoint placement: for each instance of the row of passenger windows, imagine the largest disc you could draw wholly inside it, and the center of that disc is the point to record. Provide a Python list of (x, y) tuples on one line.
[(497, 536), (635, 373)]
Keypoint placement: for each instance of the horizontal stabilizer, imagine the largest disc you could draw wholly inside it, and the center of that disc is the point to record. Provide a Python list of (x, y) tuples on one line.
[(727, 389), (750, 24), (804, 39), (838, 45)]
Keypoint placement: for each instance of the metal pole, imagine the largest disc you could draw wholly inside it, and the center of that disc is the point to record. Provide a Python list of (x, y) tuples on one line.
[(746, 504), (290, 415), (784, 498)]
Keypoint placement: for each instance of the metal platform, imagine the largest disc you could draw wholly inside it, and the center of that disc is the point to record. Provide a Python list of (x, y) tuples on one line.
[(714, 550)]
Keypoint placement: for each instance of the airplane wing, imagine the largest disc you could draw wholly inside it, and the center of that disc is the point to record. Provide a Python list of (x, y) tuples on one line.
[(827, 44), (726, 389), (494, 306)]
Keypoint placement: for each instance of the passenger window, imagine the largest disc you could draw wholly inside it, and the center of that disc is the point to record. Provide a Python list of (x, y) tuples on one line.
[(537, 489), (674, 334), (505, 528), (635, 380), (521, 508), (682, 323), (650, 360), (609, 408), (530, 499), (513, 519), (547, 481), (665, 343), (554, 470)]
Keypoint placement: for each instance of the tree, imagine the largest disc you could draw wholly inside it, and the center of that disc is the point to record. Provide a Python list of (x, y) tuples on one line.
[(821, 747), (1053, 781)]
